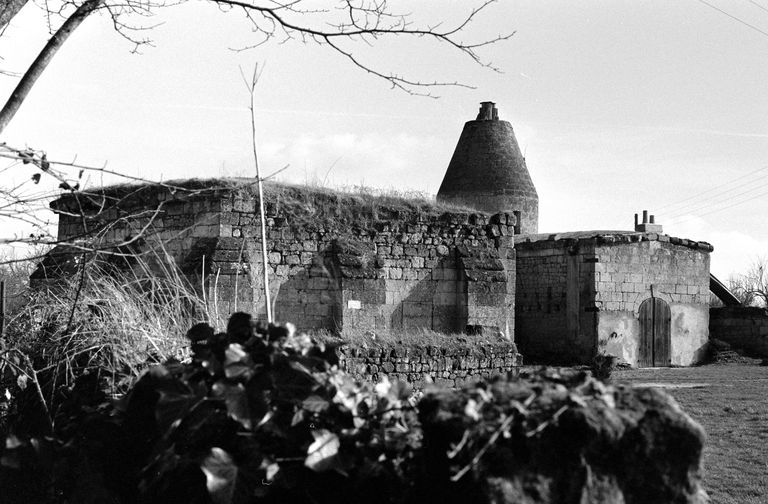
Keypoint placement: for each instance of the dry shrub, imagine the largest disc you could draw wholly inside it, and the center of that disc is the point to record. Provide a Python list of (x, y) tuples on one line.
[(113, 317)]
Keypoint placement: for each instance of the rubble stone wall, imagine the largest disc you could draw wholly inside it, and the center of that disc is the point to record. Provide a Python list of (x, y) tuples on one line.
[(450, 366), (335, 260)]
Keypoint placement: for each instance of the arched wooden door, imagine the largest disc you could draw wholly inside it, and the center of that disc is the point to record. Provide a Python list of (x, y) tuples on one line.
[(655, 338)]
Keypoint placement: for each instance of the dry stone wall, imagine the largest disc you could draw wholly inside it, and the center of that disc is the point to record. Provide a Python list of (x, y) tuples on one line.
[(454, 365)]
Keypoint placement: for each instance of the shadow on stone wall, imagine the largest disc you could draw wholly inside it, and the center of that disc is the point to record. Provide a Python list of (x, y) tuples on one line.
[(312, 298)]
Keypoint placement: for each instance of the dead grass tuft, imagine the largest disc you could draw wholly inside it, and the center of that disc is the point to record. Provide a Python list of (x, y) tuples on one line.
[(124, 319)]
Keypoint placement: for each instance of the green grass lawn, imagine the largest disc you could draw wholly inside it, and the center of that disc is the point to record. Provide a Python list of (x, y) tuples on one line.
[(731, 403)]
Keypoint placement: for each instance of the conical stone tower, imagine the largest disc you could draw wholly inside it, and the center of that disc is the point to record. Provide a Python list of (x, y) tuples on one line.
[(487, 171)]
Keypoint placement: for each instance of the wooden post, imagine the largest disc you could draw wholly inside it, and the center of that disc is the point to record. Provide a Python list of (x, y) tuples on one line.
[(264, 256)]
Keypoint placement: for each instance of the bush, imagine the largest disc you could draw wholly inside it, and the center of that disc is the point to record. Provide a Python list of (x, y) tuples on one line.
[(262, 414), (603, 366), (255, 414)]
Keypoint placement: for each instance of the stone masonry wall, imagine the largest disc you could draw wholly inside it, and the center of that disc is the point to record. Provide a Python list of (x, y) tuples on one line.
[(627, 274), (401, 270), (453, 366), (335, 260), (742, 327), (554, 284), (578, 295)]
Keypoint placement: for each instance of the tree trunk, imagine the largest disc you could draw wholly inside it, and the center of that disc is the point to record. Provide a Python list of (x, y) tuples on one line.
[(42, 60)]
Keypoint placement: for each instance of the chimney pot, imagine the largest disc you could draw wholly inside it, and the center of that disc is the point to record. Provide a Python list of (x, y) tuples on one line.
[(488, 112), (648, 225)]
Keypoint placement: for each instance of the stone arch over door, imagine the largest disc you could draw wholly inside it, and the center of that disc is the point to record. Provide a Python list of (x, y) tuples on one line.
[(655, 333)]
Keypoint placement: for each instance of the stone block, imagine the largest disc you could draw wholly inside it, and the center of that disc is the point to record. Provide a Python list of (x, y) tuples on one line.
[(244, 205)]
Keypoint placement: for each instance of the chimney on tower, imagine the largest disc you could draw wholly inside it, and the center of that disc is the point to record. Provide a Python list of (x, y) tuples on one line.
[(488, 112), (648, 225)]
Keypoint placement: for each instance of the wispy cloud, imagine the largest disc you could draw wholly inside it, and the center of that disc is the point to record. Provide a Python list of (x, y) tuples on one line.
[(375, 160)]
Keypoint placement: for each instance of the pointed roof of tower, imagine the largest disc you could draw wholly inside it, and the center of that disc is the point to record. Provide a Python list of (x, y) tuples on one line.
[(487, 159), (488, 171)]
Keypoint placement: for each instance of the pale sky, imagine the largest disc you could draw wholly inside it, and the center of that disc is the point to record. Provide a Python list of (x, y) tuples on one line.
[(619, 106)]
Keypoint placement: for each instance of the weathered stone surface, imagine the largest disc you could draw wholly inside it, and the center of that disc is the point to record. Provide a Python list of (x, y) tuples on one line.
[(449, 365), (559, 440), (335, 260)]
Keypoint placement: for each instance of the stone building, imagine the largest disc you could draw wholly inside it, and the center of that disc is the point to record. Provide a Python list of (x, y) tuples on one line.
[(350, 262), (641, 296)]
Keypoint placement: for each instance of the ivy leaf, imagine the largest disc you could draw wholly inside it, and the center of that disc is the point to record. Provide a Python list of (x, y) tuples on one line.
[(294, 381), (10, 456), (272, 470), (322, 453), (220, 476), (315, 404), (236, 401), (229, 482), (298, 417), (172, 408), (238, 364)]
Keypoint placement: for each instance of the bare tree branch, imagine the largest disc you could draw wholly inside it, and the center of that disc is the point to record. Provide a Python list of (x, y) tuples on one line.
[(352, 21), (364, 21), (751, 287), (43, 59)]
